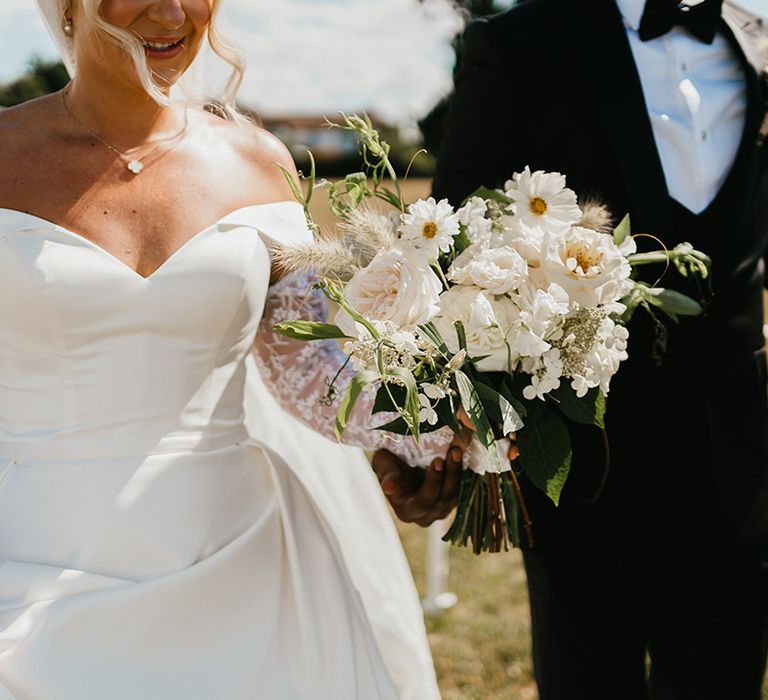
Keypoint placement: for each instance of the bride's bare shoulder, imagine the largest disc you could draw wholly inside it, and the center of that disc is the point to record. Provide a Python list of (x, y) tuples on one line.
[(264, 155), (23, 122), (23, 133)]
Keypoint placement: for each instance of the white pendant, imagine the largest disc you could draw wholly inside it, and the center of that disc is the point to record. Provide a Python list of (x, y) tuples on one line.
[(135, 166)]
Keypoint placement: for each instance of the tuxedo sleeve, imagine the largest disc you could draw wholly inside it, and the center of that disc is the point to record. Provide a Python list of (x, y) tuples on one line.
[(478, 128)]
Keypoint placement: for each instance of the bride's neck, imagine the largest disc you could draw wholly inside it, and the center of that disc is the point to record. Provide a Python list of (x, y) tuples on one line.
[(124, 115)]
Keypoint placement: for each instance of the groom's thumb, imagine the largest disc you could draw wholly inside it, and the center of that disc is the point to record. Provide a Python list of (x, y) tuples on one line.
[(388, 470)]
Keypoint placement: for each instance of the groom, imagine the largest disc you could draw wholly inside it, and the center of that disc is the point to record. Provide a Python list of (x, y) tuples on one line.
[(659, 110)]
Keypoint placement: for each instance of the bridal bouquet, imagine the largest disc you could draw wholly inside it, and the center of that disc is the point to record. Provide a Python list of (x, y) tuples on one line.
[(510, 311)]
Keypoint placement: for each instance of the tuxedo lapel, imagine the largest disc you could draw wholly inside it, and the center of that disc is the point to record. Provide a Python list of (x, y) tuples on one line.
[(618, 96), (744, 35)]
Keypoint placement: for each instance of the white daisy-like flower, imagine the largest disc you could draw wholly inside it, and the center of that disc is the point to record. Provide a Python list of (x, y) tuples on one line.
[(430, 226), (541, 201)]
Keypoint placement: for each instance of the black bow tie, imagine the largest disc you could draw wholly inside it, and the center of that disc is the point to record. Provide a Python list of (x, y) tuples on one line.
[(700, 20)]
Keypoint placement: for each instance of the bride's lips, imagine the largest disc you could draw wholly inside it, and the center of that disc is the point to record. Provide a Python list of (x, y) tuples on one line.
[(164, 47)]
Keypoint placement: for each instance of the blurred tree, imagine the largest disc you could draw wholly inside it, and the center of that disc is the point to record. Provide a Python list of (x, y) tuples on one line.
[(432, 125), (42, 78)]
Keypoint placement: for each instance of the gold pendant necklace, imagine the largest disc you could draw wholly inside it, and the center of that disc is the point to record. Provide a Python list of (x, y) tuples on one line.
[(134, 165)]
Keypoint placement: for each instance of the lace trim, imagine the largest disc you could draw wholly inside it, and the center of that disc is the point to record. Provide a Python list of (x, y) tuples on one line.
[(297, 374)]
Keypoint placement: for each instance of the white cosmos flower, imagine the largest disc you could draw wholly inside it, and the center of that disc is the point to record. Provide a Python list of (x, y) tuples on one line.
[(588, 266), (394, 287), (542, 201), (497, 270), (486, 322), (430, 226)]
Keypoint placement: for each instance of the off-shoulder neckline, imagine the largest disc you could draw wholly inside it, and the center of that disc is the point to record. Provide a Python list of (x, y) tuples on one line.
[(227, 218)]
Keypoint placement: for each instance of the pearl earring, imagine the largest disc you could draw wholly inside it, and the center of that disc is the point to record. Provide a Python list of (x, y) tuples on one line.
[(67, 27)]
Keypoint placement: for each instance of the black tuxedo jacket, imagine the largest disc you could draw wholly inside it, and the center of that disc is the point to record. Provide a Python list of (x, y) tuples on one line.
[(552, 84)]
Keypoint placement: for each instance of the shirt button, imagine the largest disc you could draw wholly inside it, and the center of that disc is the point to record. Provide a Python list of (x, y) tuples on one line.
[(703, 135), (664, 117), (684, 67)]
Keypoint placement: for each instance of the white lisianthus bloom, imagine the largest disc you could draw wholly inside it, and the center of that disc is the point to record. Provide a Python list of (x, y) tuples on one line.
[(394, 287), (486, 322), (430, 226), (542, 201), (588, 265), (542, 310), (473, 216), (528, 242), (497, 270)]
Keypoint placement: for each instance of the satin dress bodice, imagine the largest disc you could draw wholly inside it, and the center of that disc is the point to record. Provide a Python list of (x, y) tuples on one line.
[(99, 360)]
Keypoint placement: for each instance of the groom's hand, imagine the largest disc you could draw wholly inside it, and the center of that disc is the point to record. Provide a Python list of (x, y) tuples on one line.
[(417, 495)]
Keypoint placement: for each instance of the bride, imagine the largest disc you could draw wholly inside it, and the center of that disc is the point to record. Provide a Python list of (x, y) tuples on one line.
[(151, 546)]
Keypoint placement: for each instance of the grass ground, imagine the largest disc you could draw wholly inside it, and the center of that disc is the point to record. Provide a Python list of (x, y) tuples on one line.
[(481, 645)]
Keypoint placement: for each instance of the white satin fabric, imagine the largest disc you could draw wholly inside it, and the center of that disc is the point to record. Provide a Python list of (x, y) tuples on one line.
[(150, 547), (345, 489)]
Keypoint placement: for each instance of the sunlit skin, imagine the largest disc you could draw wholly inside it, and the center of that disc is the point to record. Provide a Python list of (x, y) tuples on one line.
[(198, 167)]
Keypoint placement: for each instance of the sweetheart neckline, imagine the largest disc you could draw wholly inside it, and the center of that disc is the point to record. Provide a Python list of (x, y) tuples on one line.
[(171, 257)]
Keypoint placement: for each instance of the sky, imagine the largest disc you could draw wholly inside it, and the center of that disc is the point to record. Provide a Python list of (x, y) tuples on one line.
[(391, 57)]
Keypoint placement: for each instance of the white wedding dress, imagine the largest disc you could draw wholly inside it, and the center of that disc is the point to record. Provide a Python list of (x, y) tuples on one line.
[(150, 547)]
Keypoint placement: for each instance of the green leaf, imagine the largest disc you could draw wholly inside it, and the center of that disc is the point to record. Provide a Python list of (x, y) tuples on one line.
[(354, 389), (488, 193), (295, 189), (545, 454), (461, 241), (472, 404), (411, 407), (622, 231), (674, 303), (499, 409), (311, 179), (385, 394), (461, 334), (308, 330), (588, 410), (430, 330)]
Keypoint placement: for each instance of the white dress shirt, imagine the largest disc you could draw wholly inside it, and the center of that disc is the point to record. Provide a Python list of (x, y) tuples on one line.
[(695, 94)]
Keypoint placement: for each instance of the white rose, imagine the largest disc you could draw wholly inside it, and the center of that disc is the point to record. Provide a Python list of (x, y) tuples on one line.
[(485, 320), (588, 266), (394, 287), (497, 270)]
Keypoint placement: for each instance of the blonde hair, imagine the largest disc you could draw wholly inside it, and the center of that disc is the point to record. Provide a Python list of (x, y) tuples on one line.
[(225, 101)]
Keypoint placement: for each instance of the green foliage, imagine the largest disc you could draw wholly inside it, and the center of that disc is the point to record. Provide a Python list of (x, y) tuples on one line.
[(545, 453), (41, 78), (356, 386), (500, 410), (622, 231), (308, 330), (588, 410)]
